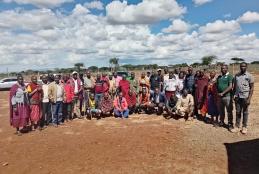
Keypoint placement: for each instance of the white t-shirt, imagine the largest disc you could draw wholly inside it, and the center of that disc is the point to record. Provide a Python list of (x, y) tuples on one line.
[(171, 84), (76, 86), (45, 88)]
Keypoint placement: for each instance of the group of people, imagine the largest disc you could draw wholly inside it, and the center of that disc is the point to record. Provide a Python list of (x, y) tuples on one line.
[(178, 94)]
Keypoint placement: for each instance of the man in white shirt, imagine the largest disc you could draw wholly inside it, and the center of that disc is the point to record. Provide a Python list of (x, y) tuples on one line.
[(58, 102), (46, 114), (78, 95), (171, 85)]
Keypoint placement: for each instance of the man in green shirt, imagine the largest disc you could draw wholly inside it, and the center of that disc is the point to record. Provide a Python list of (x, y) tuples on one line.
[(224, 87)]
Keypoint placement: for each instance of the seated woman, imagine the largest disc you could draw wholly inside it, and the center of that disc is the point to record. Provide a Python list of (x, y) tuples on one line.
[(92, 108), (121, 107), (158, 101), (106, 105), (185, 106)]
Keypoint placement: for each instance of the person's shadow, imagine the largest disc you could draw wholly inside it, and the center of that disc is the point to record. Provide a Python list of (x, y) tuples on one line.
[(243, 157)]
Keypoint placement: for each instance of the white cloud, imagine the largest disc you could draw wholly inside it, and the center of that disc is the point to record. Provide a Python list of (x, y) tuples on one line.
[(41, 3), (177, 26), (94, 5), (42, 38), (249, 17), (146, 12), (28, 20), (201, 2), (221, 27)]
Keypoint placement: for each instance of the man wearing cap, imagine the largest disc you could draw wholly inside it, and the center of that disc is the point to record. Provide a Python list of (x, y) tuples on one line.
[(78, 94)]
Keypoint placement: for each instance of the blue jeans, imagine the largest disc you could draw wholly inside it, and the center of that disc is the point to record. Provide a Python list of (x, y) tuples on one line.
[(57, 112), (124, 114), (98, 98)]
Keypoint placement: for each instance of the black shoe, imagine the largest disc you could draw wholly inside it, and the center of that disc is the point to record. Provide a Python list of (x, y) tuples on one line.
[(221, 124)]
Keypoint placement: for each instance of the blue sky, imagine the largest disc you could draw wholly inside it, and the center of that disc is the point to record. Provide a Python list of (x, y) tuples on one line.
[(188, 29)]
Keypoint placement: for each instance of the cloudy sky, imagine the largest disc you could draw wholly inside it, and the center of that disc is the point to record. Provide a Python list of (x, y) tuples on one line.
[(40, 34)]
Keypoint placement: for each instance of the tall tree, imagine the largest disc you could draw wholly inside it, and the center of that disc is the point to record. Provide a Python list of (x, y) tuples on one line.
[(114, 62), (208, 60), (78, 66), (237, 60)]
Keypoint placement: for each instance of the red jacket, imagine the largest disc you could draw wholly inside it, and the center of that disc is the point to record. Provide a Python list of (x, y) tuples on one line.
[(123, 105), (69, 91)]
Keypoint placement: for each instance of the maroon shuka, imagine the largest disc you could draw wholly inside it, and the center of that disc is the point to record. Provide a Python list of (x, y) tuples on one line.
[(124, 86), (201, 89), (21, 117)]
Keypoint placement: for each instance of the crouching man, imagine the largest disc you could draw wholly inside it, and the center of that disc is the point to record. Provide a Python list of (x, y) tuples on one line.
[(185, 106), (157, 102)]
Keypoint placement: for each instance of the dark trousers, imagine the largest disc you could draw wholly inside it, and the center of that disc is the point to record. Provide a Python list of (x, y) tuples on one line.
[(67, 111), (46, 114), (241, 106), (226, 103), (57, 112), (156, 107)]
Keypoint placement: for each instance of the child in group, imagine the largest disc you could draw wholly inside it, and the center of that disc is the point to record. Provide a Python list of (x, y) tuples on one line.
[(92, 108)]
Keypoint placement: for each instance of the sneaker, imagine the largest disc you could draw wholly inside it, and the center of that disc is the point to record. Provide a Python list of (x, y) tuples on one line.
[(234, 130), (244, 130)]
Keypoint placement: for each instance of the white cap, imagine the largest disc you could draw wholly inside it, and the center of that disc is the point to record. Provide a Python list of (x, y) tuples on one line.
[(74, 72), (159, 69)]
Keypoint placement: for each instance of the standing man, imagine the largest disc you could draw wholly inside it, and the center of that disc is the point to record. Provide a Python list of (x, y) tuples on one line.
[(56, 96), (117, 80), (133, 83), (112, 89), (171, 85), (189, 81), (224, 87), (243, 91), (88, 85), (46, 114), (144, 83), (98, 89), (155, 81), (78, 94)]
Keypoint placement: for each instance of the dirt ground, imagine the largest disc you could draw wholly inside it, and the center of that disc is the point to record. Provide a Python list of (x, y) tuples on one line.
[(140, 144)]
